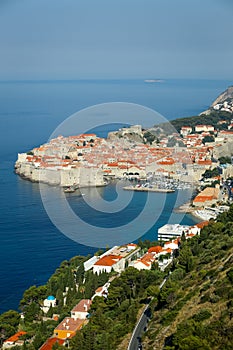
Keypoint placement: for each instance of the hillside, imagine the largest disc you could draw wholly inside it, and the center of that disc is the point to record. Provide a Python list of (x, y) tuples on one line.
[(175, 125), (226, 95), (211, 119), (194, 309)]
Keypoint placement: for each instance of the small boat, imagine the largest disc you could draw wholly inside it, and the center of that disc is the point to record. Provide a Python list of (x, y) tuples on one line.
[(70, 189)]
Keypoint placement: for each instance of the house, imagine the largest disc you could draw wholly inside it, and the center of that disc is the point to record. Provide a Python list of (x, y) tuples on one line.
[(115, 259), (172, 245), (48, 345), (155, 250), (107, 263), (169, 231), (81, 309), (68, 327), (101, 291), (14, 340), (202, 224), (50, 301), (206, 197), (200, 128), (185, 130), (144, 263)]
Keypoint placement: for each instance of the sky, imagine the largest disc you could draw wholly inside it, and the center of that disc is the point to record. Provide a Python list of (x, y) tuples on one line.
[(104, 39)]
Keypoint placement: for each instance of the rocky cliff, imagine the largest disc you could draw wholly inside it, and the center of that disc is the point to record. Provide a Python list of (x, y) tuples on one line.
[(224, 96)]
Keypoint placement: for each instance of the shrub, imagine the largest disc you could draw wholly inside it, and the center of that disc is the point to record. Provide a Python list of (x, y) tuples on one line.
[(202, 315)]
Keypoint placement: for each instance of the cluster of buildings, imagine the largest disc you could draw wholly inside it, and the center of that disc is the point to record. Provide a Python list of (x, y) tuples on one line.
[(115, 259), (226, 106), (87, 160)]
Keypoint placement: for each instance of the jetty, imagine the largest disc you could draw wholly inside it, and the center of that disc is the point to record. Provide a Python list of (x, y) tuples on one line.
[(148, 189)]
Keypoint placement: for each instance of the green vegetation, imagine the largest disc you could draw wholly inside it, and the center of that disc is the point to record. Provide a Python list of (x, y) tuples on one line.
[(69, 281), (112, 318), (149, 137), (207, 139), (193, 310), (211, 119), (211, 173), (8, 323), (225, 160), (195, 306)]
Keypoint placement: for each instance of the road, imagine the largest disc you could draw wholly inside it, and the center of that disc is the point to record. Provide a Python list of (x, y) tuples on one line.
[(140, 328)]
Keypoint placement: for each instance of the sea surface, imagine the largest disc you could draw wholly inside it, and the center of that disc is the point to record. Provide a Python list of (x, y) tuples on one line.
[(31, 247)]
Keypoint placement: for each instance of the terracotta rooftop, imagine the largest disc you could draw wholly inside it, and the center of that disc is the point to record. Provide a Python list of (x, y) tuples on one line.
[(15, 337), (70, 324), (83, 306), (156, 249), (108, 260), (48, 345), (202, 224)]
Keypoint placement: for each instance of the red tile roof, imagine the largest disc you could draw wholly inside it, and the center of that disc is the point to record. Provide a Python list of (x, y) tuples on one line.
[(15, 337), (168, 250), (48, 345), (108, 260), (202, 198), (202, 224), (70, 324), (156, 249), (83, 306)]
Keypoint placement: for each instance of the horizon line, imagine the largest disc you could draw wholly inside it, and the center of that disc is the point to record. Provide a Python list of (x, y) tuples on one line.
[(146, 79)]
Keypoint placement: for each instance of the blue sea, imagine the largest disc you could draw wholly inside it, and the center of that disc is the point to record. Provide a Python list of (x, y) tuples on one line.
[(31, 246)]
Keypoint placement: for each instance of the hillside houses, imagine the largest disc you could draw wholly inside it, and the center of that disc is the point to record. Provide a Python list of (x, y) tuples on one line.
[(115, 259), (132, 256)]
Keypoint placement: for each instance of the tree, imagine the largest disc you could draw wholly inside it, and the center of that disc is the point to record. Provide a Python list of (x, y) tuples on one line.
[(32, 312), (33, 294), (185, 258), (208, 139), (9, 322), (57, 346), (38, 340), (224, 160), (11, 317), (167, 294), (152, 291)]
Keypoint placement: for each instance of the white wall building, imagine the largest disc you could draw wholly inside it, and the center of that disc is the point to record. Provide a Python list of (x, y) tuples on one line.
[(81, 309)]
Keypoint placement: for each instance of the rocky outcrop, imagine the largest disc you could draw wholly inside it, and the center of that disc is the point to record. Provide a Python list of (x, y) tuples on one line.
[(133, 134), (226, 95)]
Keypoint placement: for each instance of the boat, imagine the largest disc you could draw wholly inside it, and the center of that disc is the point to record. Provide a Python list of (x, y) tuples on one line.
[(70, 189)]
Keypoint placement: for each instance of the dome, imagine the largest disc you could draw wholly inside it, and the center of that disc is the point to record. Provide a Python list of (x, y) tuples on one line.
[(51, 297)]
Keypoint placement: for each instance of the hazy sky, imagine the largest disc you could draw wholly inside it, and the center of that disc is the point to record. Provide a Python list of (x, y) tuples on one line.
[(59, 39)]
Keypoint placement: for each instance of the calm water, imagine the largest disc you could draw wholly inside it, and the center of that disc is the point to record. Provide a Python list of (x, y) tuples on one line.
[(31, 246)]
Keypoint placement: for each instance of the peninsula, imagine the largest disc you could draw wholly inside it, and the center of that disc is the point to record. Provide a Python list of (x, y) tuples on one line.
[(197, 155)]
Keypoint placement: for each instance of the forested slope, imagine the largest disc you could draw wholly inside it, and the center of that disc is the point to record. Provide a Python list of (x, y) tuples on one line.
[(195, 307)]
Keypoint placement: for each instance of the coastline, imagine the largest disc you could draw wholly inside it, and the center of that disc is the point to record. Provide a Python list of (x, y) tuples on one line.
[(183, 208), (187, 209)]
